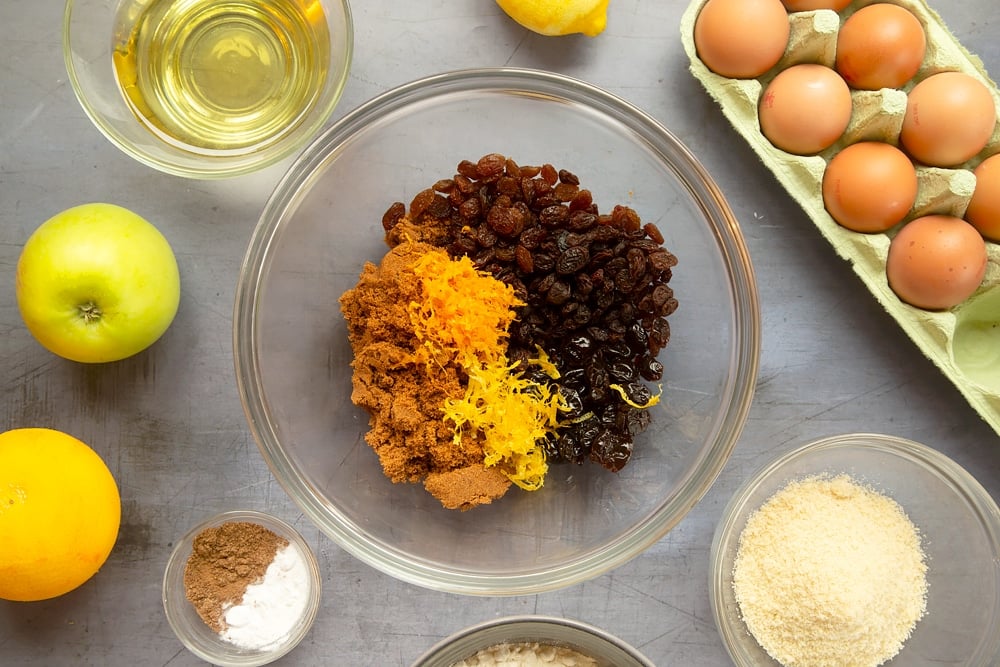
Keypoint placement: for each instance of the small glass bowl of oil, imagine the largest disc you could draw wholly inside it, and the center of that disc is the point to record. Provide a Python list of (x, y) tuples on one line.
[(208, 88)]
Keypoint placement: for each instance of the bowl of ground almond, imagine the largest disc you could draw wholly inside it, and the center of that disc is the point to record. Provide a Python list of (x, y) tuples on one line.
[(496, 331), (859, 549), (532, 641)]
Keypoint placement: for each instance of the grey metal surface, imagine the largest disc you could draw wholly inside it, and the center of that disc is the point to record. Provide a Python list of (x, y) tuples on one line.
[(169, 421)]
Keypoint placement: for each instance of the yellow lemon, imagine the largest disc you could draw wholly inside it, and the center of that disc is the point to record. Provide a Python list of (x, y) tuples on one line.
[(559, 17), (59, 513)]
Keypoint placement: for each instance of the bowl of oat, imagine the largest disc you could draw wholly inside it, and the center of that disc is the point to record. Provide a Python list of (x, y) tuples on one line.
[(533, 641), (496, 331)]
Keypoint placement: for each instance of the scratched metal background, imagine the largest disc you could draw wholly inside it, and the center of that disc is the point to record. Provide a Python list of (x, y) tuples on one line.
[(169, 421)]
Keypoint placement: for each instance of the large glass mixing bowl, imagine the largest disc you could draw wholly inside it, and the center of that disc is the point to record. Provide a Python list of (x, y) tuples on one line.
[(323, 222)]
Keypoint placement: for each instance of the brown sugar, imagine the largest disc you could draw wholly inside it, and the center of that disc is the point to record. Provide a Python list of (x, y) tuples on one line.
[(404, 392), (464, 488)]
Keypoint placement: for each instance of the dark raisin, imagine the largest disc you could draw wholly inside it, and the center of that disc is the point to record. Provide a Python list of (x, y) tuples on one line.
[(532, 236), (445, 185), (528, 190), (549, 174), (505, 254), (468, 169), (661, 295), (566, 192), (616, 349), (572, 260), (638, 393), (575, 378), (661, 260), (554, 216), (610, 449), (470, 208), (439, 207), (544, 262), (559, 293), (420, 203), (546, 283), (581, 221), (574, 404), (625, 218), (582, 201), (636, 421), (393, 215), (502, 220), (509, 186), (568, 177), (525, 261), (636, 264), (650, 369), (653, 231), (490, 166), (637, 338), (622, 371), (464, 184)]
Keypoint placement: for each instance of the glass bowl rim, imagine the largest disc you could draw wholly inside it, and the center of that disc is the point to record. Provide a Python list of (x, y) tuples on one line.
[(269, 521), (219, 167), (540, 620), (739, 389), (923, 456)]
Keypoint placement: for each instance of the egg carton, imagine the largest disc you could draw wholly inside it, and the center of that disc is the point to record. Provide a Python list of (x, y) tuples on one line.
[(964, 341)]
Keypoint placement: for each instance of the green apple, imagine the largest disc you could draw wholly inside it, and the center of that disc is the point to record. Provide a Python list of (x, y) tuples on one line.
[(97, 283)]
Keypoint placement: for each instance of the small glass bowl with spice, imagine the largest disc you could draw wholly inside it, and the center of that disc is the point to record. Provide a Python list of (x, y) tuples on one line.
[(858, 549), (241, 588)]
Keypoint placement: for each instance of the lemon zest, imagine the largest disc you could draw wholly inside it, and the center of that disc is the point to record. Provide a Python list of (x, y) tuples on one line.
[(543, 361), (653, 400), (512, 414)]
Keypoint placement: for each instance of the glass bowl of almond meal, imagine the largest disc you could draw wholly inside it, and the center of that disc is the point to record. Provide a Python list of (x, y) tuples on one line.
[(496, 331), (532, 641), (858, 549)]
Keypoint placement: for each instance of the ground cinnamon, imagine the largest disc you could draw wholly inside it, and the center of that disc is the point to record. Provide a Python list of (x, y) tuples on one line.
[(225, 560)]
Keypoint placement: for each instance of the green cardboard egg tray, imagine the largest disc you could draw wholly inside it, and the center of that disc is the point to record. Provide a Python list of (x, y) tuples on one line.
[(964, 341)]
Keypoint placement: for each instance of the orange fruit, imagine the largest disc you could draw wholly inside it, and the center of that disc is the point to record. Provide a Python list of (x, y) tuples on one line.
[(59, 513)]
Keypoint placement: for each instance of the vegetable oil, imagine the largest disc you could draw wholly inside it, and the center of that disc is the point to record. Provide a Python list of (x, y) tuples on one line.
[(229, 76)]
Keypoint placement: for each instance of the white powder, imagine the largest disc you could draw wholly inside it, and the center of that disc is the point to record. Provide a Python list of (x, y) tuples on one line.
[(271, 607), (527, 655), (829, 572)]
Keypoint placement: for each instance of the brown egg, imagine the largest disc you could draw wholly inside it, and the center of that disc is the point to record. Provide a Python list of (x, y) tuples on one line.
[(936, 262), (805, 109), (880, 46), (949, 118), (741, 39), (808, 5), (869, 186), (984, 208)]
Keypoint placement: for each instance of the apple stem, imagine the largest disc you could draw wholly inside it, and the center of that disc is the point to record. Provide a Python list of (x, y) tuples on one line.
[(90, 312)]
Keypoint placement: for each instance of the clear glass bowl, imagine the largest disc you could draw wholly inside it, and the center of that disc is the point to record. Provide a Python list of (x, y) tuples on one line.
[(585, 639), (90, 30), (323, 222), (192, 630), (960, 531)]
